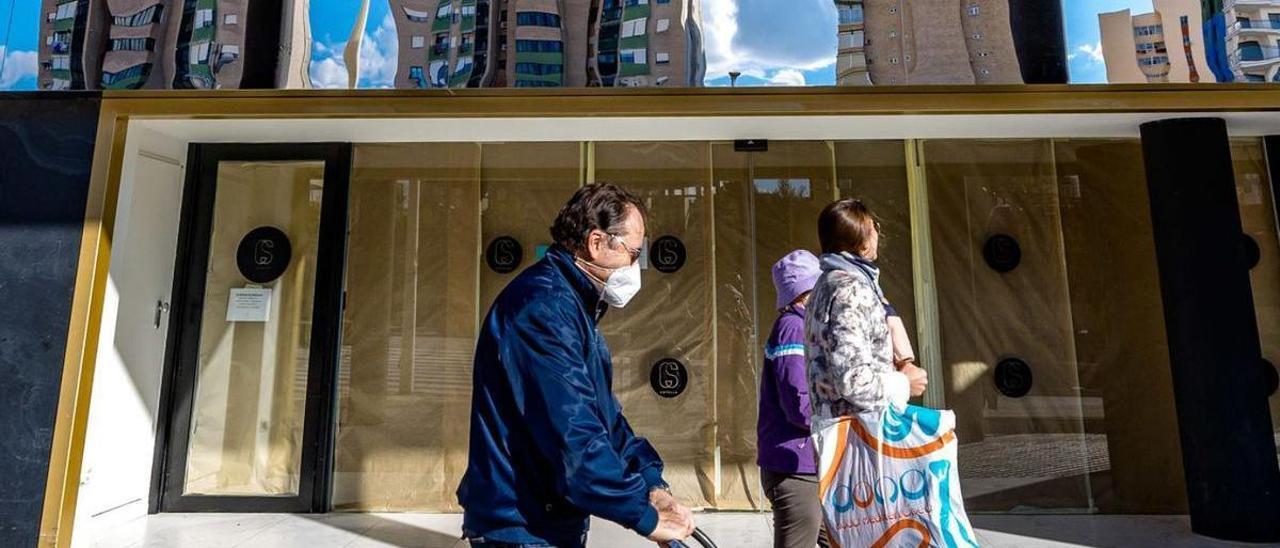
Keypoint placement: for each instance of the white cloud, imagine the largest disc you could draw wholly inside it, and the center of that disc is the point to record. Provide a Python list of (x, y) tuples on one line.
[(720, 24), (1087, 65), (18, 65), (328, 73), (1092, 53), (326, 49), (760, 38), (379, 54), (787, 77)]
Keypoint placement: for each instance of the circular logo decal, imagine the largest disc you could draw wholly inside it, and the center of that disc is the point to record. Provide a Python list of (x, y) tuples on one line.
[(1250, 250), (264, 254), (1013, 377), (669, 377), (1002, 252), (667, 254), (504, 254)]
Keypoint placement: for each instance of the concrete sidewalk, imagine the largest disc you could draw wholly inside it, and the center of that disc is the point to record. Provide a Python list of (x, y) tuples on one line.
[(729, 530)]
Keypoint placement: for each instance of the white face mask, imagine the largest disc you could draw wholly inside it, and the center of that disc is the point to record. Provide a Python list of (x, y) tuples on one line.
[(622, 285)]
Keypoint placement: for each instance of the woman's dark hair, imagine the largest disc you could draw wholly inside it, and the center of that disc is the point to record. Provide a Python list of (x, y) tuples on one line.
[(597, 206), (846, 225)]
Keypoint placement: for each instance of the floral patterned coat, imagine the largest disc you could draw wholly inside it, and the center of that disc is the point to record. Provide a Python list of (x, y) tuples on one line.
[(848, 344)]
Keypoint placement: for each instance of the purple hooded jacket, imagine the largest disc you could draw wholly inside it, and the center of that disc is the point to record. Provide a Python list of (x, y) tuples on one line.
[(783, 428)]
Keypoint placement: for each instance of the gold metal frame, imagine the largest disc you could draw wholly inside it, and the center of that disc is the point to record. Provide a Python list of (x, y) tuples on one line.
[(926, 287), (486, 103), (118, 108), (71, 423)]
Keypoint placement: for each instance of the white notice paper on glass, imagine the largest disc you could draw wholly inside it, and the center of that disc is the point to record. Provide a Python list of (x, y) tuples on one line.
[(249, 304)]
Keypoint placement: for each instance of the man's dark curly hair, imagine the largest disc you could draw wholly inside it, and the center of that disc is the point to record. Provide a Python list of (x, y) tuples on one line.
[(601, 206)]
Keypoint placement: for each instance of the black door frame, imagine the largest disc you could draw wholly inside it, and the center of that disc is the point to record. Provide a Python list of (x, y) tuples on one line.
[(181, 354)]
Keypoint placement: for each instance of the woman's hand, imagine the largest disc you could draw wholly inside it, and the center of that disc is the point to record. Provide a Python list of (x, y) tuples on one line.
[(917, 377)]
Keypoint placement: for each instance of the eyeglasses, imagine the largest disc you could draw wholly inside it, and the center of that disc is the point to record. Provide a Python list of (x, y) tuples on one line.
[(634, 252)]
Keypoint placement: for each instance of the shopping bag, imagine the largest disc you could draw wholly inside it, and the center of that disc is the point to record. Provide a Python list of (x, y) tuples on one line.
[(889, 479)]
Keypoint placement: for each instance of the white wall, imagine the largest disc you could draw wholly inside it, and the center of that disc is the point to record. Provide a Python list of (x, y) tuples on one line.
[(115, 479), (694, 128)]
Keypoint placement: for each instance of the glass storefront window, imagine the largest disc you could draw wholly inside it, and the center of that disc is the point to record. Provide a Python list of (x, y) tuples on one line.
[(1117, 317), (247, 415), (437, 230), (1021, 430), (431, 244), (673, 317), (409, 327), (1050, 314), (523, 186)]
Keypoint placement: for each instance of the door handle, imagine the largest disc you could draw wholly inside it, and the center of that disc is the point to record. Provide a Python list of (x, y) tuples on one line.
[(161, 308)]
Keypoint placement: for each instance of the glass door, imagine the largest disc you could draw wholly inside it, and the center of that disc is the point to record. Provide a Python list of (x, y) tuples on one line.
[(258, 299)]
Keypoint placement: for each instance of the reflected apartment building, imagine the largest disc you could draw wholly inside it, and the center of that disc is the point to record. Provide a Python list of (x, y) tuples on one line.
[(140, 33), (1253, 39), (443, 45), (1166, 45), (72, 35), (179, 44), (892, 42), (548, 43)]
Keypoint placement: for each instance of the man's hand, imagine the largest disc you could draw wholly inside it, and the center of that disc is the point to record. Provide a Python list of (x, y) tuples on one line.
[(675, 520), (917, 377)]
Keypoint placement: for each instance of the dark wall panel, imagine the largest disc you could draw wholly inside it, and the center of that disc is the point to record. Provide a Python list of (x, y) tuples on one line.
[(46, 150), (1040, 38), (262, 38), (1233, 482)]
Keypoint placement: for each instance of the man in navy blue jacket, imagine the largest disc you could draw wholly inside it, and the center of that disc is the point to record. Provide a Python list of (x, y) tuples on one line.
[(549, 445)]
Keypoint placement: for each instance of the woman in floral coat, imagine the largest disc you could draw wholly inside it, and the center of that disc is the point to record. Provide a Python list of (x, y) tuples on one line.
[(848, 342)]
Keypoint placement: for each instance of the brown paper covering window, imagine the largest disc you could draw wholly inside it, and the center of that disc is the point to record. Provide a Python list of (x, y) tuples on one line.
[(1083, 308)]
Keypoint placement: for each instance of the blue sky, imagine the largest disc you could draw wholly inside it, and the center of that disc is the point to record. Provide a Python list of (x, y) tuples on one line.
[(772, 42), (1084, 44), (331, 22), (19, 25)]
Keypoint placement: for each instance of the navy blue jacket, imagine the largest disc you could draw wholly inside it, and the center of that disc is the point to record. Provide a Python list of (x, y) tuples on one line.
[(549, 445)]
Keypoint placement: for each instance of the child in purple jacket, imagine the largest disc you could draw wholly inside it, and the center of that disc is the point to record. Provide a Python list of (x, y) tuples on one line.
[(786, 456)]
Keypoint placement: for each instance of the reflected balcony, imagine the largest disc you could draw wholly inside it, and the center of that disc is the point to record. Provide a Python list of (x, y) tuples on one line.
[(1246, 27), (1250, 56), (1246, 4)]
